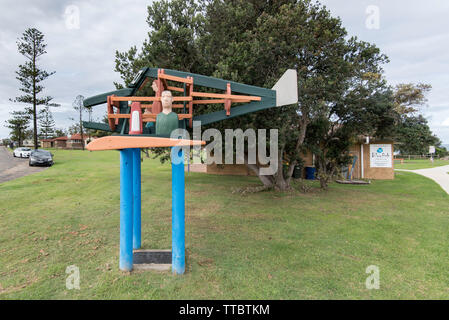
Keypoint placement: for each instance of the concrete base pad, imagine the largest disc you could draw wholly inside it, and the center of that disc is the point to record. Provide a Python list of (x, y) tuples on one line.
[(145, 259), (353, 182)]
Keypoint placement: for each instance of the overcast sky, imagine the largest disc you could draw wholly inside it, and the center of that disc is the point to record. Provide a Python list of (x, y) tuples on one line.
[(414, 34)]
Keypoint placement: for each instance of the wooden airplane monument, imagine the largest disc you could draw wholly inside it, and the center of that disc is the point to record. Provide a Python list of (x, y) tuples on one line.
[(133, 129)]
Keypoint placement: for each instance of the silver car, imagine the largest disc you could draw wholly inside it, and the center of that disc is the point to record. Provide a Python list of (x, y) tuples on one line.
[(41, 157), (22, 152)]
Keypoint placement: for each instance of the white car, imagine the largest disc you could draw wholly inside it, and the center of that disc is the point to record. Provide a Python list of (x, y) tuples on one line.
[(22, 152)]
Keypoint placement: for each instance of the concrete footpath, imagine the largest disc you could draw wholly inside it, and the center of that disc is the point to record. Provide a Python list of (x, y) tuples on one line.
[(438, 174)]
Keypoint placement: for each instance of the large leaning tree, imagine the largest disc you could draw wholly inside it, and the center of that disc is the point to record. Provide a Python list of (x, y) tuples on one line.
[(410, 98), (255, 42), (301, 35), (32, 46), (413, 135)]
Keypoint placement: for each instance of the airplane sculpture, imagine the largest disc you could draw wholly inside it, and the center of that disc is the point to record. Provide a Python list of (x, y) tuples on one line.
[(124, 119), (129, 135)]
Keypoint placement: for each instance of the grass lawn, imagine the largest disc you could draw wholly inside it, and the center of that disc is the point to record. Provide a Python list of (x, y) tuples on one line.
[(264, 245), (420, 164)]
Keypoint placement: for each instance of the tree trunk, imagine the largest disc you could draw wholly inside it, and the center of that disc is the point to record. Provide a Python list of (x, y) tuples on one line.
[(266, 180), (279, 180), (34, 99), (325, 175), (145, 150), (81, 127), (20, 138), (323, 183), (280, 183), (276, 181), (321, 173), (299, 143)]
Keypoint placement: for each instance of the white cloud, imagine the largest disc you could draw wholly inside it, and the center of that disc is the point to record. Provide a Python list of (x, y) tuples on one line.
[(414, 35), (82, 58), (445, 123)]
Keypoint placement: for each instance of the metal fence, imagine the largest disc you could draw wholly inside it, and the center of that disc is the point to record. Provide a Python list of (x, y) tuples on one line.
[(415, 157)]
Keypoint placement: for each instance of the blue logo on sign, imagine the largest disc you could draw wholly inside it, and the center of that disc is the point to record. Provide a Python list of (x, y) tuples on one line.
[(380, 150)]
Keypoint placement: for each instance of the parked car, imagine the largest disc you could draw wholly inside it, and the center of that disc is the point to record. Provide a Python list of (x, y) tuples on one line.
[(41, 157), (22, 152)]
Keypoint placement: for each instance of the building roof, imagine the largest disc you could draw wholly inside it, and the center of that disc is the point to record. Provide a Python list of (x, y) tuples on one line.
[(60, 138), (77, 136), (362, 139)]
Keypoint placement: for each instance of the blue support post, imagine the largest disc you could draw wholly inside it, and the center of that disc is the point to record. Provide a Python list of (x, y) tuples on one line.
[(126, 209), (178, 211), (137, 204)]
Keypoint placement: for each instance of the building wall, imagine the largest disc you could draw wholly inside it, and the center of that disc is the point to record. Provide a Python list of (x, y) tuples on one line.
[(195, 167), (369, 173), (28, 143), (60, 144), (308, 159), (225, 169), (354, 150), (377, 173), (74, 145), (230, 169), (240, 169), (46, 144)]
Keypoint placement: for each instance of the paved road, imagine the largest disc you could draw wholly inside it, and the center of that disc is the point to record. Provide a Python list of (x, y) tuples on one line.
[(13, 168), (438, 174)]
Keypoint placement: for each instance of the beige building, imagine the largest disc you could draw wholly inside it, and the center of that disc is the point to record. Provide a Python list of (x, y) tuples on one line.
[(374, 161), (59, 142), (70, 142)]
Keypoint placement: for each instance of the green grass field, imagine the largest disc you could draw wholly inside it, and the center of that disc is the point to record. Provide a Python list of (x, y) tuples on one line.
[(419, 164), (263, 245)]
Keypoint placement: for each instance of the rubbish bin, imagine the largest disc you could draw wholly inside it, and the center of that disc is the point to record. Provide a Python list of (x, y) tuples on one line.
[(310, 173), (297, 172)]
